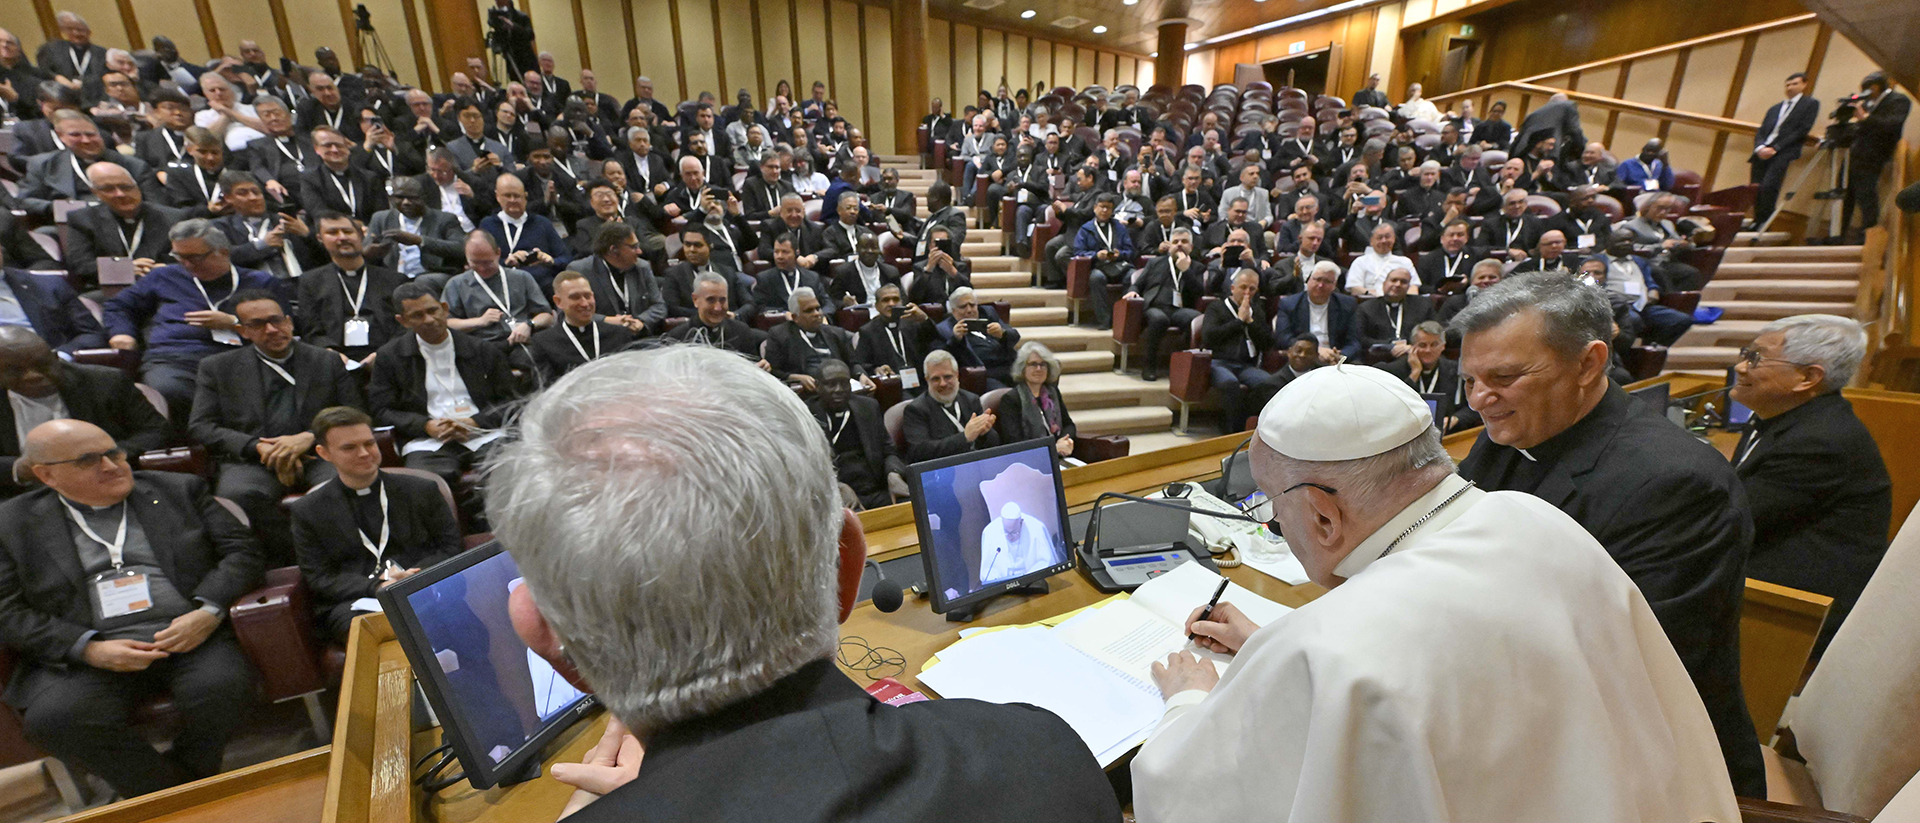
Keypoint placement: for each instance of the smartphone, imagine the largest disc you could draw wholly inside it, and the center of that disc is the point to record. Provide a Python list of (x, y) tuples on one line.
[(978, 324), (1231, 256), (950, 248), (1370, 200), (897, 312), (287, 209)]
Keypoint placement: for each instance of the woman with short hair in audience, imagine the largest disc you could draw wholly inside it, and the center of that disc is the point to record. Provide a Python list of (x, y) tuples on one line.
[(1033, 407)]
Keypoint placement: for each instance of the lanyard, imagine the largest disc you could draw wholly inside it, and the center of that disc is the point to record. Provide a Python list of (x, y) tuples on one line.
[(117, 548), (503, 300), (346, 192), (506, 139), (953, 413), (138, 232), (571, 338), (893, 335), (513, 231), (1744, 454), (833, 434), (1106, 237), (333, 120), (1586, 226), (200, 176), (299, 163), (82, 57), (230, 290), (1399, 314), (1513, 231), (619, 289), (1431, 382), (178, 150), (79, 171), (1453, 262), (354, 301), (380, 549), (791, 284), (277, 369), (386, 159)]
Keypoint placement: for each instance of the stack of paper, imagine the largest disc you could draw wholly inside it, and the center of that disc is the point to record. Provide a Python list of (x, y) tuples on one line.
[(1095, 669)]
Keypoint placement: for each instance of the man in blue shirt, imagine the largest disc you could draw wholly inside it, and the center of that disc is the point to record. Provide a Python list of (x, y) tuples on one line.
[(1111, 247), (183, 310)]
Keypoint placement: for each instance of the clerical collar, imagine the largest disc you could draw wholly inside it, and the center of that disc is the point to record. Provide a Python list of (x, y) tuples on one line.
[(370, 489), (1605, 414), (84, 508), (1428, 506), (282, 359)]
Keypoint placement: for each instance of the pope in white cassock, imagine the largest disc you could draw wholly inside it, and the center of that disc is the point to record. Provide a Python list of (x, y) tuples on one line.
[(1478, 657), (1013, 544)]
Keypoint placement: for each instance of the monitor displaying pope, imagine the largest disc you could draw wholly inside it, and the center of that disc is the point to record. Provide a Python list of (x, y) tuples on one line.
[(1012, 544)]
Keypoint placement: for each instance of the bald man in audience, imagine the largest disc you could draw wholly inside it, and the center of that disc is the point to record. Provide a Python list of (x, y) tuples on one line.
[(87, 656)]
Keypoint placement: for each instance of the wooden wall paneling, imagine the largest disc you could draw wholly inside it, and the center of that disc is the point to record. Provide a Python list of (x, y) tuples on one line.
[(1083, 68), (679, 54), (109, 29), (1818, 54), (177, 19), (1840, 74), (283, 30), (1039, 63), (454, 31), (1105, 70), (653, 47), (1583, 31), (608, 45), (697, 34), (849, 86), (793, 30), (1225, 57), (1630, 131), (244, 20), (320, 24), (940, 65), (880, 126), (966, 62), (1200, 66), (722, 90), (632, 45), (1767, 74), (423, 59), (1599, 81), (29, 21), (1062, 72), (993, 60), (1649, 79), (131, 21), (776, 46), (1619, 93), (739, 51), (1688, 147), (811, 32), (762, 89), (579, 42), (826, 25), (1713, 74), (1019, 56)]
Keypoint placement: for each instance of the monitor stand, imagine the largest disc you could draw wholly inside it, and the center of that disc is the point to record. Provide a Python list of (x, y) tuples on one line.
[(966, 614)]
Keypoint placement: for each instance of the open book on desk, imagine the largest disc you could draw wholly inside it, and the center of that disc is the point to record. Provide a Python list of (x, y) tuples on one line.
[(1095, 669)]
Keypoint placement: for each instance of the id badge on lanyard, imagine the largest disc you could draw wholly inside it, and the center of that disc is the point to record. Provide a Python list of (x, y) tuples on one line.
[(355, 333), (118, 593)]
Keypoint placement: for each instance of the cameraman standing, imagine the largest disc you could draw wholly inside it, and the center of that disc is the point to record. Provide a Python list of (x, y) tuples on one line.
[(513, 37), (1882, 113)]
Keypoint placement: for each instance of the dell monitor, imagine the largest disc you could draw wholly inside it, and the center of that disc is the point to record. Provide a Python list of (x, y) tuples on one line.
[(991, 522), (498, 703)]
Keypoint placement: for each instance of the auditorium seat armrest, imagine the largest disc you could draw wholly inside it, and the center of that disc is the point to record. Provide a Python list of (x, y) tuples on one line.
[(1761, 811), (1685, 301), (1079, 274), (180, 459), (274, 625), (1129, 319), (1095, 448), (1190, 374)]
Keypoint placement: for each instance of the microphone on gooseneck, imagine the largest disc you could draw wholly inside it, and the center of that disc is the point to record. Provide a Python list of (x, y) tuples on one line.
[(886, 594)]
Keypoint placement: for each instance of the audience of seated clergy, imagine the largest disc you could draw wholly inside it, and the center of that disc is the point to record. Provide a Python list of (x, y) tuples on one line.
[(445, 393), (366, 529), (251, 408), (1665, 505), (41, 386), (774, 288), (527, 241), (1110, 246), (1387, 322), (1236, 330), (581, 334), (347, 305), (64, 173), (278, 243), (85, 662), (946, 420), (624, 287)]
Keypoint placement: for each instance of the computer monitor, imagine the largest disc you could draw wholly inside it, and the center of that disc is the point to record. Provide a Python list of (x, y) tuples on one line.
[(990, 521), (1655, 395), (1738, 415), (498, 702)]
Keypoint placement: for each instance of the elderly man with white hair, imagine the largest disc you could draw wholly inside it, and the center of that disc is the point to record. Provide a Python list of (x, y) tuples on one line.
[(1453, 671), (1821, 497), (947, 420), (715, 645)]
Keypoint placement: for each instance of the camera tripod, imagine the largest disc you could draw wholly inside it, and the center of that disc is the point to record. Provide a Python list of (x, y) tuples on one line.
[(1834, 157), (371, 49)]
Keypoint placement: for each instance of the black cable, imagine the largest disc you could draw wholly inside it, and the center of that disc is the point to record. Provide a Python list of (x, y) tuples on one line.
[(444, 747), (876, 662)]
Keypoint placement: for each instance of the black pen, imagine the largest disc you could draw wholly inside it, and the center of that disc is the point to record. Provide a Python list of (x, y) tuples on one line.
[(1208, 611)]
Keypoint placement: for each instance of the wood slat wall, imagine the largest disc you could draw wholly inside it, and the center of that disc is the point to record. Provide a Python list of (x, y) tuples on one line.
[(685, 46)]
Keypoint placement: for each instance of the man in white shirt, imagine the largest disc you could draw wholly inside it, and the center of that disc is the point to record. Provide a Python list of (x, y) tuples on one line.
[(1014, 544), (1369, 272), (1393, 696)]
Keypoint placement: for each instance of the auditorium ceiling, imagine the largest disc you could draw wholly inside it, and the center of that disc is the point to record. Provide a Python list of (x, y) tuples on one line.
[(1128, 27)]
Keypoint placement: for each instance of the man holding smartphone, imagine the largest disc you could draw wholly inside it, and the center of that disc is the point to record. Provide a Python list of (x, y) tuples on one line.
[(975, 336)]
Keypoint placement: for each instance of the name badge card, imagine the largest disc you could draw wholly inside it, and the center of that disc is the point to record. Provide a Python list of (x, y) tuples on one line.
[(226, 337), (119, 593), (909, 378), (116, 271), (355, 333)]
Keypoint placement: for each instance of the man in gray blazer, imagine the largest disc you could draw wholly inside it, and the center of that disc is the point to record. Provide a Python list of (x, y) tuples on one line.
[(422, 243), (57, 175)]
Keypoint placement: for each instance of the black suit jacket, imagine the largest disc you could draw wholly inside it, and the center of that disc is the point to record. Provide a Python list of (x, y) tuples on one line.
[(930, 432), (875, 446), (815, 747), (787, 350), (100, 395), (770, 290), (337, 569), (1671, 512), (554, 356), (17, 246), (56, 57), (230, 396), (875, 348), (152, 148), (1444, 380), (1156, 284), (1879, 131), (265, 160), (182, 190), (397, 391), (44, 603), (1376, 322), (318, 193), (93, 232), (1018, 418), (807, 239), (1295, 318), (55, 311), (644, 299), (1793, 133), (1822, 501), (1222, 332), (325, 307)]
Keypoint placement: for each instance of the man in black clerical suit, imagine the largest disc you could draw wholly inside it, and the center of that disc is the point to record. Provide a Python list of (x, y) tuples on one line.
[(580, 335), (712, 325), (797, 348), (339, 527), (52, 310), (946, 420), (122, 225), (1171, 285), (1665, 505), (45, 387), (1386, 322), (863, 455), (347, 304), (83, 667), (1822, 501), (445, 393), (625, 291), (855, 281), (774, 287), (251, 407), (1434, 376), (797, 739), (790, 218), (889, 346), (334, 184)]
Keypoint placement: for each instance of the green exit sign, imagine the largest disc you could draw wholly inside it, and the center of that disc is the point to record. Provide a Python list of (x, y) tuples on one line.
[(1466, 29)]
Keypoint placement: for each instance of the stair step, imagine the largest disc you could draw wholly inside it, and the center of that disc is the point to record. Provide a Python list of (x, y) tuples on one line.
[(1023, 296), (920, 211), (1772, 238), (1000, 279), (1081, 362), (1789, 254), (1105, 389), (979, 249), (1722, 290), (999, 263), (899, 160), (1123, 420), (1707, 358), (1063, 339), (1835, 269), (1733, 333), (1776, 309), (1034, 317), (993, 236)]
